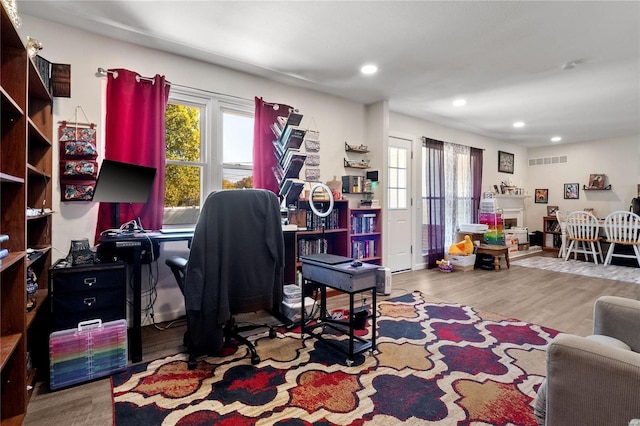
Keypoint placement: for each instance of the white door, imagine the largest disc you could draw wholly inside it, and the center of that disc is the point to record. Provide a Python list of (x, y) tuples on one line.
[(398, 188)]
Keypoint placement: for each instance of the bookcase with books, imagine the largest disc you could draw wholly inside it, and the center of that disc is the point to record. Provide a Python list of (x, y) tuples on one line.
[(26, 194), (332, 240), (289, 158), (551, 234), (365, 234)]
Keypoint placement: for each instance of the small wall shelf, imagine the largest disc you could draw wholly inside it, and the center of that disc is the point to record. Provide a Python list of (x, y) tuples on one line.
[(361, 164), (362, 149), (606, 188)]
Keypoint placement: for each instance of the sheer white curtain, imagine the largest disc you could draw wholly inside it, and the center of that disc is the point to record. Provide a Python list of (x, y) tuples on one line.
[(458, 189)]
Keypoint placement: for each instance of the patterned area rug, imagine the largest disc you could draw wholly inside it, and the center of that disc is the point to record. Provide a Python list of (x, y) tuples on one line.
[(435, 363), (588, 269)]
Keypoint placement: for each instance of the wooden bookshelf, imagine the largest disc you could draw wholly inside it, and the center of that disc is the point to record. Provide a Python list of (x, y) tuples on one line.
[(365, 234), (551, 234), (25, 181)]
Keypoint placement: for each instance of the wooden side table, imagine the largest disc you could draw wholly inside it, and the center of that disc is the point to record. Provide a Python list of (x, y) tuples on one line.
[(496, 251)]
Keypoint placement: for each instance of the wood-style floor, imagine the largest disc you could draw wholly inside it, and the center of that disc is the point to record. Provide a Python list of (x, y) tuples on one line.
[(556, 300)]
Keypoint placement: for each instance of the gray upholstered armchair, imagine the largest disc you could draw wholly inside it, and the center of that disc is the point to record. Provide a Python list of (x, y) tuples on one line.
[(595, 380)]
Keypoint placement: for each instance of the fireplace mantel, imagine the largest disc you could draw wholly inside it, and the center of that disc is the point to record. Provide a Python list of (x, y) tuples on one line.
[(512, 207)]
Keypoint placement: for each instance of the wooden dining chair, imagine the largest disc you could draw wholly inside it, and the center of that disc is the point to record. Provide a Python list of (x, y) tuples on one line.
[(622, 228), (562, 220), (583, 236)]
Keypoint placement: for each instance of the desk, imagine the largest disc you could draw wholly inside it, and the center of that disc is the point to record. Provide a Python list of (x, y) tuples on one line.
[(136, 249), (337, 273)]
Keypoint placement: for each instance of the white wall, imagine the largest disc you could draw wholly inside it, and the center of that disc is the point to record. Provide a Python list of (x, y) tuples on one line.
[(619, 159)]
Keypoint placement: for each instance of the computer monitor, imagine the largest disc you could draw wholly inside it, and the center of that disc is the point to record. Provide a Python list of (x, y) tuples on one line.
[(123, 183)]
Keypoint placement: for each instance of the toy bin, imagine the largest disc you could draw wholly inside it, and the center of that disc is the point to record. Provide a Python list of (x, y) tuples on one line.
[(463, 263)]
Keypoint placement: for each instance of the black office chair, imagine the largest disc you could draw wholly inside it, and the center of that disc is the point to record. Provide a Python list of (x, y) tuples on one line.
[(235, 266)]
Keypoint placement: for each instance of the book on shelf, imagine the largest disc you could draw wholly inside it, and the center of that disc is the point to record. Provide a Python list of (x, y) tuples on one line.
[(278, 173), (291, 137), (290, 190), (294, 165), (282, 122), (290, 155), (278, 151), (277, 131)]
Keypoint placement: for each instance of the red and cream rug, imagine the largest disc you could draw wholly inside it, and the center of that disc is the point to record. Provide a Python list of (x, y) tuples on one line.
[(436, 363)]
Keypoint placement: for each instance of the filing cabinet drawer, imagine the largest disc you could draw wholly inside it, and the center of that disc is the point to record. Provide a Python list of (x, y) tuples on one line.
[(87, 279), (87, 301)]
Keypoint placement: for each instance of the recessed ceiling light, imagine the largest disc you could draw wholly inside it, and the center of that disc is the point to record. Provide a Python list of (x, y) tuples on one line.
[(459, 102), (556, 139), (518, 124), (369, 69)]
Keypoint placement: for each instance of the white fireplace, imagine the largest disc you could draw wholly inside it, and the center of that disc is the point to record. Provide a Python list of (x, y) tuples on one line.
[(512, 207)]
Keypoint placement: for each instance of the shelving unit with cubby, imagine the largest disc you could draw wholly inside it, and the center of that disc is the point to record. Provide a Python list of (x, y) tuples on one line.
[(551, 234), (25, 186), (365, 234)]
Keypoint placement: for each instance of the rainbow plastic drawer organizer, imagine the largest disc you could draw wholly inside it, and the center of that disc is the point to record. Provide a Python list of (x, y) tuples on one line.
[(90, 351)]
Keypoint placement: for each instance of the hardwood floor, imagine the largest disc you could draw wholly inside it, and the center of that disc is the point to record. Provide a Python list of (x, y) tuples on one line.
[(556, 300)]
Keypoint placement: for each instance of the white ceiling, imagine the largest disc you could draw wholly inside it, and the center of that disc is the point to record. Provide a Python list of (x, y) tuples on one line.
[(505, 58)]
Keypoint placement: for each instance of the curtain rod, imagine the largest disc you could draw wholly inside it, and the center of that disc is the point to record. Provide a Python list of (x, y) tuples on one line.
[(104, 72), (275, 105)]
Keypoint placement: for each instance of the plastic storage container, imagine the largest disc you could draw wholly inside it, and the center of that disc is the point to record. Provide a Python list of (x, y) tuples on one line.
[(91, 350)]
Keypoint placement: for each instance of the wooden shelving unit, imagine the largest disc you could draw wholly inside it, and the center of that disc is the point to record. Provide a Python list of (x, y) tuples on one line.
[(551, 231), (25, 182), (335, 233), (365, 234)]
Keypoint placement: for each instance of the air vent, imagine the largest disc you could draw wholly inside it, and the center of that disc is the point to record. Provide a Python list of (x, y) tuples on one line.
[(561, 159)]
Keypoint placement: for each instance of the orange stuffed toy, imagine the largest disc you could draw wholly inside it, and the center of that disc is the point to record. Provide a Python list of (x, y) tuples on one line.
[(464, 247)]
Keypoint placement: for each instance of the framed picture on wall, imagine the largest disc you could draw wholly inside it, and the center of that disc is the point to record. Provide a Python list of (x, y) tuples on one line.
[(551, 210), (571, 191), (505, 162), (542, 196), (596, 181)]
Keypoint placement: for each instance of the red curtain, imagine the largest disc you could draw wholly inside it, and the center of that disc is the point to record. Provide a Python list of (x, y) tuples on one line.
[(135, 133), (263, 158)]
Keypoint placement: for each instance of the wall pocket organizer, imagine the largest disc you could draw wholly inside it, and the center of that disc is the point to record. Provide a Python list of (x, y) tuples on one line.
[(78, 154)]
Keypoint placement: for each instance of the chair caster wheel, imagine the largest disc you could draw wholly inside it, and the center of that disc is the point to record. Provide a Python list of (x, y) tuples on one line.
[(191, 364), (255, 360), (272, 333)]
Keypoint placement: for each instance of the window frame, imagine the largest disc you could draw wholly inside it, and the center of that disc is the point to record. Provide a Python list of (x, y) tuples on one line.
[(212, 107)]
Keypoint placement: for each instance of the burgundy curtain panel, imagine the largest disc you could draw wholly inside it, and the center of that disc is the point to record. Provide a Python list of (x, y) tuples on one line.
[(263, 158), (135, 133)]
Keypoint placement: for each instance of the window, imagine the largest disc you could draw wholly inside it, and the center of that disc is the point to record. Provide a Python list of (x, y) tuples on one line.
[(209, 146), (397, 184), (451, 189)]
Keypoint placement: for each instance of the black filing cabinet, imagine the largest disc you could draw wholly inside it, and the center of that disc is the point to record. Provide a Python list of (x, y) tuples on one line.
[(86, 292)]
